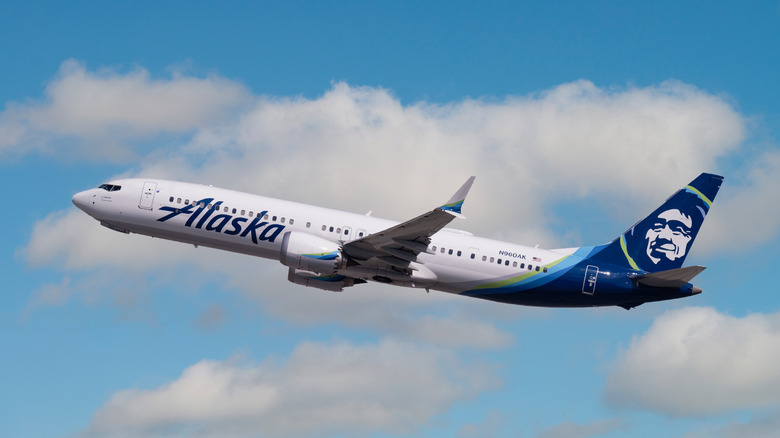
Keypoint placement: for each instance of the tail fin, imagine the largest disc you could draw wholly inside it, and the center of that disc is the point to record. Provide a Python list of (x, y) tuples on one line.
[(662, 240)]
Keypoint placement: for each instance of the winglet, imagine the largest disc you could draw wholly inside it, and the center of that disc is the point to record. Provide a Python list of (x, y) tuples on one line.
[(456, 202)]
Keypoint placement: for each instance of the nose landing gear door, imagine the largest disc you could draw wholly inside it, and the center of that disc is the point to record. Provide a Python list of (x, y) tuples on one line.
[(147, 195)]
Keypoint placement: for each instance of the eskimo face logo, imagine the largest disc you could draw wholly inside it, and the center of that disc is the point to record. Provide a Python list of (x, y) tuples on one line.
[(224, 223), (668, 236)]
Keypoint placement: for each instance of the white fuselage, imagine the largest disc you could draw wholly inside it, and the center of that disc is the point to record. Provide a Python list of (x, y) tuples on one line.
[(255, 225)]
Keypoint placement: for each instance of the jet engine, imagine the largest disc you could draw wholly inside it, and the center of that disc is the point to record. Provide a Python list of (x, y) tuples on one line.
[(311, 253)]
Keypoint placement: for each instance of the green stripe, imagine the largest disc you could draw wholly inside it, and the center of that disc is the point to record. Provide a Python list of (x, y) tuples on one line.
[(701, 195), (319, 254), (513, 280), (625, 252), (454, 204)]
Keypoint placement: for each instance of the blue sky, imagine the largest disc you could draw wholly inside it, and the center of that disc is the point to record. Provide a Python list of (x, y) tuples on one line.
[(577, 119)]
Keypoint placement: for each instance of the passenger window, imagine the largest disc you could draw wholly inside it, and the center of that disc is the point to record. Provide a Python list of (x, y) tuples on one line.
[(178, 200), (537, 269), (171, 200), (292, 221), (308, 224), (282, 220), (442, 250), (186, 202), (265, 217), (492, 259), (243, 212), (545, 270), (506, 263), (450, 252), (338, 230), (251, 213), (433, 248), (360, 234), (226, 210), (459, 253), (273, 218), (234, 211), (499, 261), (473, 256), (530, 268), (324, 228), (346, 231), (331, 229), (484, 258), (514, 264)]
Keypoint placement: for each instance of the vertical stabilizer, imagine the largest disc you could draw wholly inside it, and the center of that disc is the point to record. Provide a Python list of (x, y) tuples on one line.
[(662, 240)]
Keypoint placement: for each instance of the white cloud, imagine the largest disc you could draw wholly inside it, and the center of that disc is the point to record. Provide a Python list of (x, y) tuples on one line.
[(697, 361), (102, 108), (319, 390), (72, 240), (747, 213)]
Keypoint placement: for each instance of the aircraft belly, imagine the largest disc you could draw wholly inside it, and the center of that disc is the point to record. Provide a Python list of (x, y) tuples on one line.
[(203, 238), (564, 285)]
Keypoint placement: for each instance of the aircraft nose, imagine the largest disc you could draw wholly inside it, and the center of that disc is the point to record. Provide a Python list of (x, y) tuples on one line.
[(83, 200)]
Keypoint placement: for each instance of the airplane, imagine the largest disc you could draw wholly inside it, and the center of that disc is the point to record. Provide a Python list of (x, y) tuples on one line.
[(331, 249)]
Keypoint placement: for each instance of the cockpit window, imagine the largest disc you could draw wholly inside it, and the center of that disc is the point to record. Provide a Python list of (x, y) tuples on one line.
[(110, 187)]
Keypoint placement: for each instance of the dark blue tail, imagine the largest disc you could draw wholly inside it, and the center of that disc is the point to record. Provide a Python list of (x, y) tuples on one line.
[(662, 240)]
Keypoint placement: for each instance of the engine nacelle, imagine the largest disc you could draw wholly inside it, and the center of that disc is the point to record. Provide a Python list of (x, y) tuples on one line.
[(310, 253), (333, 283)]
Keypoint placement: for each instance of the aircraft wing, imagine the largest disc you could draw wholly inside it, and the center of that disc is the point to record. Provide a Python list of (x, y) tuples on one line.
[(399, 246)]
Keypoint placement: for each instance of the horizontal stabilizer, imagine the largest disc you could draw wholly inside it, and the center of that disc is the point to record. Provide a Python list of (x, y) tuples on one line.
[(673, 278)]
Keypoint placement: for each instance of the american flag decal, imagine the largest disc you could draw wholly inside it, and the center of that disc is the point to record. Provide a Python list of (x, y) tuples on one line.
[(537, 259)]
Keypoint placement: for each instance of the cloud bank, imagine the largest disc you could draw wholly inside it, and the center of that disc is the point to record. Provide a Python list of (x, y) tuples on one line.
[(698, 361), (103, 109), (320, 390)]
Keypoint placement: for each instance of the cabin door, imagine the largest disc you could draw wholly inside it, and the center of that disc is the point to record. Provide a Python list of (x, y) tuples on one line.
[(147, 195)]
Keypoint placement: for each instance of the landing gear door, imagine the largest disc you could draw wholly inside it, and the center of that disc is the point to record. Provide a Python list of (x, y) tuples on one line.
[(589, 283), (147, 195)]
